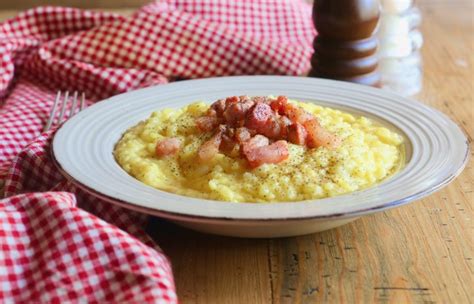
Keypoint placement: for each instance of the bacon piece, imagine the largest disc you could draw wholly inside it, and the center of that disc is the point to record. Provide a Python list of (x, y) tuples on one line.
[(232, 99), (207, 123), (268, 154), (271, 128), (245, 98), (278, 105), (258, 116), (297, 114), (242, 135), (260, 99), (227, 145), (297, 134), (235, 113), (285, 123), (168, 146), (219, 107), (255, 142), (320, 137), (276, 127), (211, 147)]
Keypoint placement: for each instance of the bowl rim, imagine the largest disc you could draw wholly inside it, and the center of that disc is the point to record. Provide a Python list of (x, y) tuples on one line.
[(194, 217)]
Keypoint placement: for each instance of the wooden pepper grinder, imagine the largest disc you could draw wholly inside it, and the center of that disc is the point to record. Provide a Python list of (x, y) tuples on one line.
[(345, 47)]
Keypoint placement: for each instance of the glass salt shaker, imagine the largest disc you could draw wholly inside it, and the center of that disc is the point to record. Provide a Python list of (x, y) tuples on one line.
[(400, 41)]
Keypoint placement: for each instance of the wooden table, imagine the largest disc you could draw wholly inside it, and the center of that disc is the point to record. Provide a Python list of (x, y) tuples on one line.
[(419, 253)]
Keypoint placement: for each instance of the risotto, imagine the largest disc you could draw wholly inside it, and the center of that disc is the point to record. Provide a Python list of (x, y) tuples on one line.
[(166, 152)]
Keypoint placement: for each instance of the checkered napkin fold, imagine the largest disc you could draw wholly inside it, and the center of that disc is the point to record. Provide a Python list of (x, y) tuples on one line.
[(58, 244)]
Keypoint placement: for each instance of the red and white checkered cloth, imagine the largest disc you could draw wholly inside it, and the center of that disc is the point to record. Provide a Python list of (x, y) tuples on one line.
[(58, 244)]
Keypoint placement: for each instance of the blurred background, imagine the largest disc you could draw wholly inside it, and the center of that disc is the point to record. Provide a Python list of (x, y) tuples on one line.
[(9, 7), (22, 4)]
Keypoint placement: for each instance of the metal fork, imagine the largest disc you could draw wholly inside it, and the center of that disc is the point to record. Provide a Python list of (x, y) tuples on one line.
[(64, 102)]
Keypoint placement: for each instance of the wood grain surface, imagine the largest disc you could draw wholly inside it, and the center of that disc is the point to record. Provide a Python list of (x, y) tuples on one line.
[(420, 253)]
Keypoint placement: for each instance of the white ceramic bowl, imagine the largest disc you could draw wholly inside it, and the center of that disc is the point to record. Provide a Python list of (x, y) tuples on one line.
[(436, 149)]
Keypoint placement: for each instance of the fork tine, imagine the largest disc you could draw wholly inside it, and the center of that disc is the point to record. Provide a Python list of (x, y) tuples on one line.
[(83, 105), (63, 107), (74, 104), (52, 114)]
